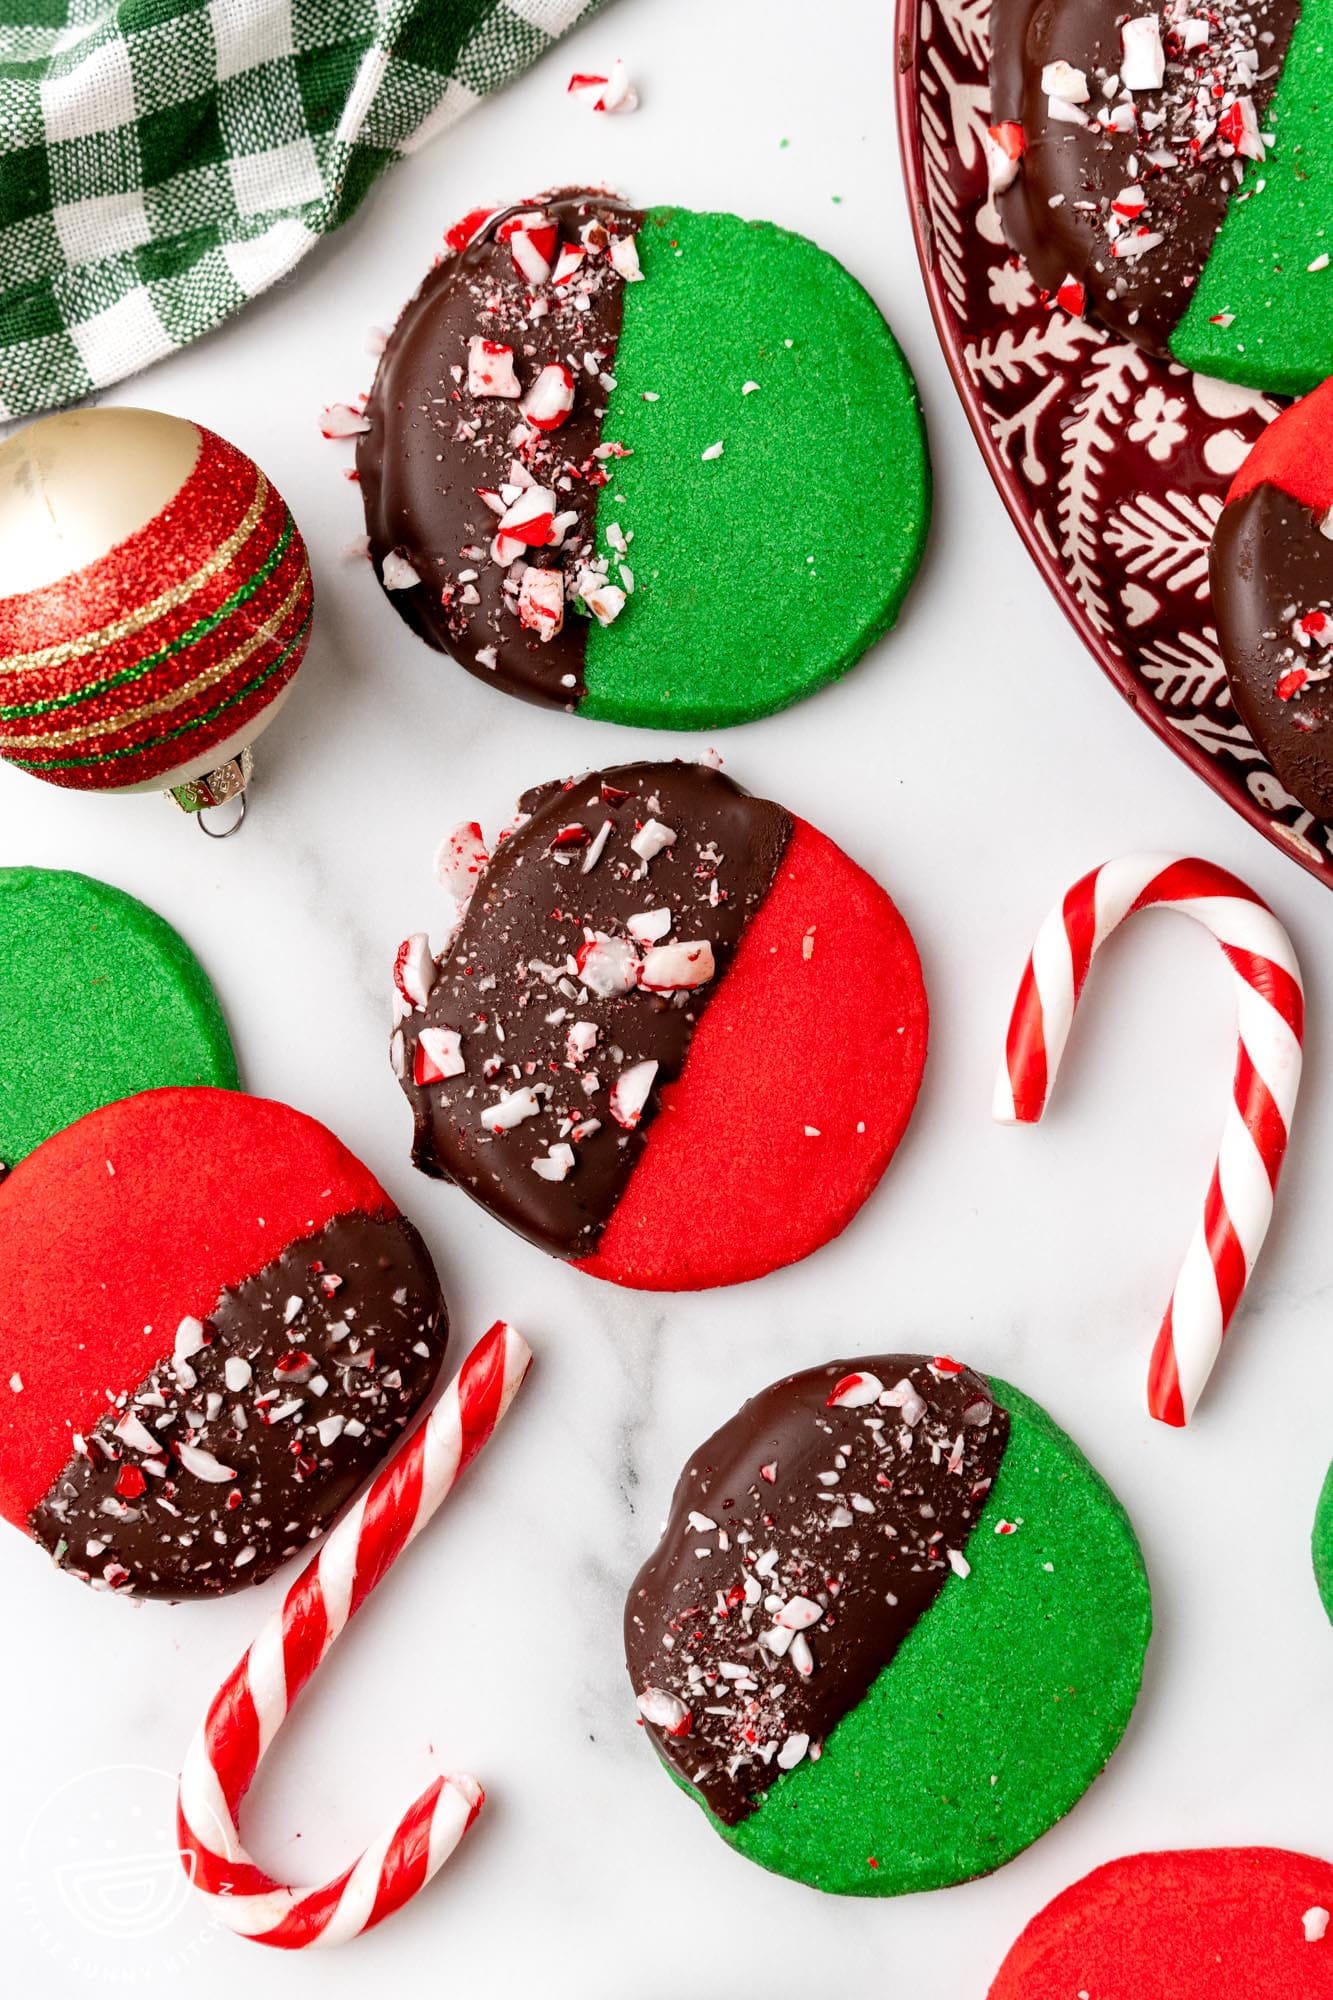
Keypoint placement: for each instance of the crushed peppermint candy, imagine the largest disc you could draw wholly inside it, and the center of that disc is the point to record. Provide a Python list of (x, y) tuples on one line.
[(783, 1585), (567, 994), (1163, 111), (514, 395), (612, 93), (236, 1449)]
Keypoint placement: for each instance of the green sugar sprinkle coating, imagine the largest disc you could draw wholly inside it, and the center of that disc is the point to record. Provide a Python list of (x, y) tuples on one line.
[(1278, 223), (764, 572), (99, 999), (1323, 1544), (1000, 1708)]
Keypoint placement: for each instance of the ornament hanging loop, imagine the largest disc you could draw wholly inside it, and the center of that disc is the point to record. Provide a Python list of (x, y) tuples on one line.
[(217, 788), (233, 825)]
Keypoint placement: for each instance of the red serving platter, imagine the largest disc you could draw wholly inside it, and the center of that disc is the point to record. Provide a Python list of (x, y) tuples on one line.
[(1113, 464)]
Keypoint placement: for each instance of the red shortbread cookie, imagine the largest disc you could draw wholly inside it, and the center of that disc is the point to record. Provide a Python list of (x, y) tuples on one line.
[(1208, 1923), (676, 1035), (213, 1324), (1270, 572)]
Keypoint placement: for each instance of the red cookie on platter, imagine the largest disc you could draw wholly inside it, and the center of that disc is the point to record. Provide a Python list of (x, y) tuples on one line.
[(214, 1323), (1207, 1923), (1271, 576), (675, 1035)]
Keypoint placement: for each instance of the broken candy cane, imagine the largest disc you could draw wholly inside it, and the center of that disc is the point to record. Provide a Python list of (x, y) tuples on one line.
[(1239, 1202), (254, 1701)]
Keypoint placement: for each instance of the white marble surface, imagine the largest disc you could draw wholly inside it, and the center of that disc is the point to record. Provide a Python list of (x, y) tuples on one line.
[(976, 763)]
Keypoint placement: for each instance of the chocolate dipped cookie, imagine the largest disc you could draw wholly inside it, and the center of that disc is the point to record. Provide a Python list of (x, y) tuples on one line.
[(214, 1324), (1169, 170), (894, 1627), (674, 1034), (655, 466), (1270, 573)]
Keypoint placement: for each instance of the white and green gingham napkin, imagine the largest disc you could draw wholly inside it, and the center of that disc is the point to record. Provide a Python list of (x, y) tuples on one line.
[(162, 161)]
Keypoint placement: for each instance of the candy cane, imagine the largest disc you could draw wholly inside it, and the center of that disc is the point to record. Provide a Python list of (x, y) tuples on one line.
[(254, 1701), (1271, 1011)]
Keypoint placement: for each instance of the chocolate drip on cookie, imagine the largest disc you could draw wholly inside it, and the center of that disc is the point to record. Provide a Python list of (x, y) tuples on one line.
[(1136, 129), (1271, 577), (806, 1539), (492, 390), (235, 1452), (567, 1000)]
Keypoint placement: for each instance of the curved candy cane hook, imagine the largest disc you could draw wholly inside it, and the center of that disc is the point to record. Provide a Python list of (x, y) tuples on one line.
[(255, 1699), (1271, 1021)]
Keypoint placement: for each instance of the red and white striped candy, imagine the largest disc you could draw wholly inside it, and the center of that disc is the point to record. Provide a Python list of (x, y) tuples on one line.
[(253, 1703), (1239, 1202), (550, 399), (461, 860)]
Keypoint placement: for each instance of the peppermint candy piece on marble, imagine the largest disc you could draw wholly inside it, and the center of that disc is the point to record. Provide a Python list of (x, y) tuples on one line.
[(343, 420), (460, 861), (612, 93)]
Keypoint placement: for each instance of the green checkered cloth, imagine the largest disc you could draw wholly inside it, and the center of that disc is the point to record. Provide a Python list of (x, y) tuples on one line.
[(162, 161)]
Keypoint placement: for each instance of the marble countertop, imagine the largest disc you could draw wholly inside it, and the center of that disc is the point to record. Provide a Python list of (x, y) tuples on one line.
[(976, 763)]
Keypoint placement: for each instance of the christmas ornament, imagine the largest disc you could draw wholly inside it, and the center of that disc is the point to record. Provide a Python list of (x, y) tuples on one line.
[(155, 603)]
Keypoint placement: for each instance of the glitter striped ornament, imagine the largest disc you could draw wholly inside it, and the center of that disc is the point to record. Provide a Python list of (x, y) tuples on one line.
[(155, 601), (1271, 1022), (255, 1699)]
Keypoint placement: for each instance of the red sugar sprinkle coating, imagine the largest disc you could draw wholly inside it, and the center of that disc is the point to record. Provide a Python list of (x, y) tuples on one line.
[(835, 1040), (1214, 1923), (209, 1186)]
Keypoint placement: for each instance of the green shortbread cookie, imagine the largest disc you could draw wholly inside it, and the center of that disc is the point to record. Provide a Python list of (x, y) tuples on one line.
[(653, 466), (767, 571), (99, 999), (1011, 1684), (1262, 313), (1322, 1544)]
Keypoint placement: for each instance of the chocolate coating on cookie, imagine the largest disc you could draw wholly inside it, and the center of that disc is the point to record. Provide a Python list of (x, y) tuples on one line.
[(236, 1453), (554, 985), (433, 447), (1271, 578), (1125, 191), (806, 1538)]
